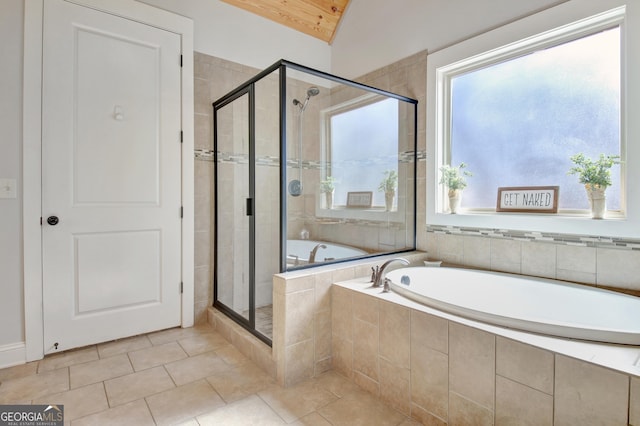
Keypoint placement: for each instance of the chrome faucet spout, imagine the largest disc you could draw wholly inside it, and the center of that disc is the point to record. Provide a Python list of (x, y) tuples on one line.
[(379, 275), (312, 255)]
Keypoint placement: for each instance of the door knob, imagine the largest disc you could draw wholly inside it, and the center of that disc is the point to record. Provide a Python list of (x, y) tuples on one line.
[(52, 220)]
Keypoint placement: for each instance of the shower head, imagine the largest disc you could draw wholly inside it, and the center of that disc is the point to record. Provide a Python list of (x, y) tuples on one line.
[(312, 91)]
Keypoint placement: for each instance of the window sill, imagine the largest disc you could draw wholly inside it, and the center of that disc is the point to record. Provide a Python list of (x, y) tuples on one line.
[(342, 213), (614, 225)]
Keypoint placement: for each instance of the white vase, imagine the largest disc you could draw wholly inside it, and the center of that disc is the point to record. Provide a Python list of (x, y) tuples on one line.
[(455, 197), (388, 200), (597, 200), (328, 197)]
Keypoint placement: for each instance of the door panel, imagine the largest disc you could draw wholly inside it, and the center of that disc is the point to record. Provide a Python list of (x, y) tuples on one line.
[(111, 174), (233, 274), (117, 270), (122, 106)]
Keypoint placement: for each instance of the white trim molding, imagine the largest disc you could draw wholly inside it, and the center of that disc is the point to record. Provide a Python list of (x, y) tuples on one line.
[(12, 354)]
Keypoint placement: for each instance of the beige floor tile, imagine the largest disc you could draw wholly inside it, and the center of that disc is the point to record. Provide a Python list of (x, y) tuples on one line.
[(410, 422), (19, 371), (231, 355), (190, 422), (296, 401), (67, 358), (336, 383), (138, 385), (99, 371), (204, 342), (134, 413), (78, 402), (197, 367), (122, 346), (184, 402), (175, 334), (35, 386), (360, 409), (313, 419), (249, 411), (156, 355), (239, 382)]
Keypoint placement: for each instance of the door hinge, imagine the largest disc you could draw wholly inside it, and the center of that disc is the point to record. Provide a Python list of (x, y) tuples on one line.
[(181, 288), (180, 61), (181, 136), (40, 220), (181, 212)]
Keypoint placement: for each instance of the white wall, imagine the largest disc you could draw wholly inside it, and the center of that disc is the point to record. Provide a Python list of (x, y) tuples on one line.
[(233, 34), (11, 328), (375, 33)]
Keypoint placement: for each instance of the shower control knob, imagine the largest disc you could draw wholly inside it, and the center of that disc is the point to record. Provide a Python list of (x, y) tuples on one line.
[(53, 220)]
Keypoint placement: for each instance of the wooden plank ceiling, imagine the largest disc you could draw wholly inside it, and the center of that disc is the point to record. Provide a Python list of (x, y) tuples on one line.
[(317, 18)]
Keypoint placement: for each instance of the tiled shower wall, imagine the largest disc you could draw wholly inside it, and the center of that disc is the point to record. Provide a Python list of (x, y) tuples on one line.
[(213, 78)]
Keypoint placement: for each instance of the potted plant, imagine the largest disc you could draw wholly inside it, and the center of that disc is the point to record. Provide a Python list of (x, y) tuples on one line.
[(596, 177), (388, 185), (454, 178), (327, 187)]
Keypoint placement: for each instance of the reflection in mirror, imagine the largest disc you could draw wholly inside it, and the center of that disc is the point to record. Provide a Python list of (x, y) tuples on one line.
[(351, 154)]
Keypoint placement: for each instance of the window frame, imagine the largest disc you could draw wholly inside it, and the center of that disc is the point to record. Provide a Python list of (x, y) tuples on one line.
[(557, 25)]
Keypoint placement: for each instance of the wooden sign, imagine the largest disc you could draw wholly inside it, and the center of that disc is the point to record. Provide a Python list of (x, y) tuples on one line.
[(360, 200), (528, 199)]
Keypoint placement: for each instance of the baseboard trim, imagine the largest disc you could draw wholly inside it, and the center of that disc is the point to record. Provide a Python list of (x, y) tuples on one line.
[(13, 354)]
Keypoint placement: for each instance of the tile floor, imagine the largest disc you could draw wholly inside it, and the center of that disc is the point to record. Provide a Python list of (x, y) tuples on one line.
[(187, 376)]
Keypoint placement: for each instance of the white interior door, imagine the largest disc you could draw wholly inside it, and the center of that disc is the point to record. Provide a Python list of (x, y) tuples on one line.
[(111, 175)]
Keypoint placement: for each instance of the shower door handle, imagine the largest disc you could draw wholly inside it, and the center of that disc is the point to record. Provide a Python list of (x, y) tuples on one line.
[(249, 206)]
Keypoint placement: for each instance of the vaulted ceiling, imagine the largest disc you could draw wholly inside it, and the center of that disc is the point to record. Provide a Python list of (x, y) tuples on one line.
[(317, 18)]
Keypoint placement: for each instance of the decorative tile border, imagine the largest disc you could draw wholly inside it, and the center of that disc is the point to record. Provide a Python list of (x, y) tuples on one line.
[(203, 154), (272, 161), (547, 237)]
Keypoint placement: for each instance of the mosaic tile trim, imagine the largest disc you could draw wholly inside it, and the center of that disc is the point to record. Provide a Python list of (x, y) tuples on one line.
[(385, 224), (226, 157), (547, 237), (203, 154)]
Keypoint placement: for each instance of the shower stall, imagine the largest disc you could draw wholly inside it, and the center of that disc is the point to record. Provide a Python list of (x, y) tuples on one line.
[(310, 169)]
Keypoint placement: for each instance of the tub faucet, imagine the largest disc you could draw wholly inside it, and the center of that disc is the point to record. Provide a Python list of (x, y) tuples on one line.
[(379, 274), (312, 255)]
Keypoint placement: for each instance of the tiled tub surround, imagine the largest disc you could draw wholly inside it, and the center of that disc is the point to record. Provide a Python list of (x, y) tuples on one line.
[(302, 321), (442, 369), (600, 261)]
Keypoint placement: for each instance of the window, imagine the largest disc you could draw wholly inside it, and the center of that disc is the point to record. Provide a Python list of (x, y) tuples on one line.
[(362, 145), (517, 122), (516, 102)]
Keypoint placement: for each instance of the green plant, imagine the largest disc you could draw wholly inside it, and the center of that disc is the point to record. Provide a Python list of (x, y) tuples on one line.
[(596, 174), (389, 182), (454, 178), (327, 185)]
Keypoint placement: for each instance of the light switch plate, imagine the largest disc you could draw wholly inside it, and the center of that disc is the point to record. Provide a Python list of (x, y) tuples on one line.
[(7, 188)]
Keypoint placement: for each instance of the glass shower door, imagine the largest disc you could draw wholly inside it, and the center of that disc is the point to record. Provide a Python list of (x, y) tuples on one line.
[(234, 205)]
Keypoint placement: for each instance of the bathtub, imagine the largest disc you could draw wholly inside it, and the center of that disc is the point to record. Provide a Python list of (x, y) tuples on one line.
[(530, 304), (298, 252)]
